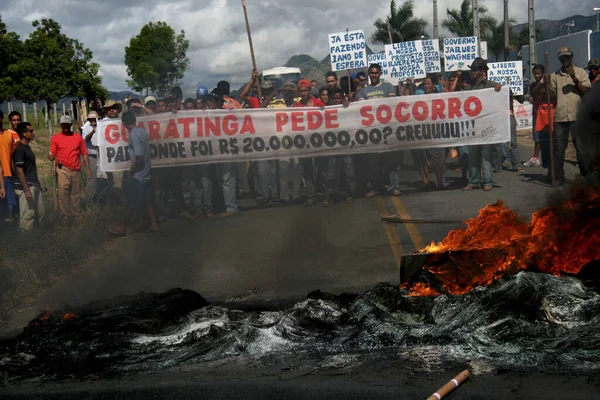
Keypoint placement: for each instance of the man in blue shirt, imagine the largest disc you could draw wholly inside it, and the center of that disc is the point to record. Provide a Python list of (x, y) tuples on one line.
[(137, 183)]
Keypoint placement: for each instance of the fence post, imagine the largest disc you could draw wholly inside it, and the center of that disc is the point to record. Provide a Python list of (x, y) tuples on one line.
[(24, 112), (64, 109), (9, 107), (55, 116), (35, 112)]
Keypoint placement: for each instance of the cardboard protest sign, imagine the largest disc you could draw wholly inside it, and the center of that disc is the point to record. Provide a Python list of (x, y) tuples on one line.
[(408, 60), (348, 50), (459, 53), (375, 126), (386, 67), (503, 72), (431, 52)]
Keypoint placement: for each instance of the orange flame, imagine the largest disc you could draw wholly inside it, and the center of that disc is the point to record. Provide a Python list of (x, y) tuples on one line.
[(559, 240), (68, 317), (45, 316)]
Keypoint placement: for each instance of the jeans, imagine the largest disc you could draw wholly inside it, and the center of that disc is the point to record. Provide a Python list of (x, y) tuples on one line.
[(560, 142), (103, 187), (336, 166), (241, 172), (514, 155), (480, 160), (228, 182), (267, 179), (203, 180), (289, 170)]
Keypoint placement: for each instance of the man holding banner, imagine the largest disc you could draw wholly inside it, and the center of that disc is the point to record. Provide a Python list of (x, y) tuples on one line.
[(372, 162), (480, 156)]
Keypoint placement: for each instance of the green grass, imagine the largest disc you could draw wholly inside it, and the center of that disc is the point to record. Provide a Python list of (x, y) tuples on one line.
[(31, 262)]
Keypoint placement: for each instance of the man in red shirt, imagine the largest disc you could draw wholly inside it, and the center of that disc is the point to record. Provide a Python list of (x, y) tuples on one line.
[(67, 148), (306, 100)]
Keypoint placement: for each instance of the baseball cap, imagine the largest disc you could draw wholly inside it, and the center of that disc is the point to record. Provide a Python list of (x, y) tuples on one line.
[(201, 91), (65, 119), (594, 63), (304, 83), (266, 85), (92, 115), (565, 51), (149, 99), (289, 84)]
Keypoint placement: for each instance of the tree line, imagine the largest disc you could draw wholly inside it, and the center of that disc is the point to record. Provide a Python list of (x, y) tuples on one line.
[(48, 65)]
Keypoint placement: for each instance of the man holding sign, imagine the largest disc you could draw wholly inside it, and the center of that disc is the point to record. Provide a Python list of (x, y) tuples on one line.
[(480, 156)]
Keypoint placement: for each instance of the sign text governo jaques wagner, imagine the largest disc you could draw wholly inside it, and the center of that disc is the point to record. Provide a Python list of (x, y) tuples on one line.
[(391, 124)]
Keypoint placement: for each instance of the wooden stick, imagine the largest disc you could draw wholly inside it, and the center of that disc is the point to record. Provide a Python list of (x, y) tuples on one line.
[(251, 46), (450, 386), (550, 125)]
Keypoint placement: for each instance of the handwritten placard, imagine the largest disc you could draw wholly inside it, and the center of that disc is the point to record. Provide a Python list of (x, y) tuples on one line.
[(459, 53), (386, 67), (348, 50), (508, 72), (431, 53), (408, 60)]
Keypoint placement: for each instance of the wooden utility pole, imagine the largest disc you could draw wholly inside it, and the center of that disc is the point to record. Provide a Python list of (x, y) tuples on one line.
[(550, 124), (435, 20), (506, 31), (251, 46), (476, 31), (532, 37)]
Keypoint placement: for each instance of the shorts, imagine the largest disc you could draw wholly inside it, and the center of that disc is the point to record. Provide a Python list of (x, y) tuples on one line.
[(11, 197), (137, 193)]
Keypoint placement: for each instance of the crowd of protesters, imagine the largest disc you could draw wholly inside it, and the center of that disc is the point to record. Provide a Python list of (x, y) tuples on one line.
[(161, 192)]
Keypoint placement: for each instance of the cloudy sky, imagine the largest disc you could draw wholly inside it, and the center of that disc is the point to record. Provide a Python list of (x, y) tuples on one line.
[(216, 30)]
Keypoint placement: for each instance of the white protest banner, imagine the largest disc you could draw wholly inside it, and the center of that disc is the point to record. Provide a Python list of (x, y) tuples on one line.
[(386, 66), (459, 53), (502, 72), (348, 50), (390, 124), (523, 114), (408, 60), (431, 51), (483, 50)]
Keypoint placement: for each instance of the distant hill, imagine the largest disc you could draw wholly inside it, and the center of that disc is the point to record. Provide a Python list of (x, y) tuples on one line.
[(551, 29)]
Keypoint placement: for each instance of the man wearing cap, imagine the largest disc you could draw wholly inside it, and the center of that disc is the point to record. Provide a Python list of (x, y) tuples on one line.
[(88, 131), (266, 170), (567, 86), (67, 148), (104, 180), (308, 165), (150, 103), (480, 156), (594, 70)]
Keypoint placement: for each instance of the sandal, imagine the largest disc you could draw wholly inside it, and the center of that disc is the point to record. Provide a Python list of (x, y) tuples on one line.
[(371, 194), (396, 193), (117, 232), (309, 203)]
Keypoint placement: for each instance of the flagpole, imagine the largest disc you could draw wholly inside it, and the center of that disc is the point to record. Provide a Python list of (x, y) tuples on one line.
[(251, 46)]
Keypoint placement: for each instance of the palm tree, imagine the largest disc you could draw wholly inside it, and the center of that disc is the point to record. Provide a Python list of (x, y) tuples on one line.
[(523, 38), (403, 24), (495, 43), (460, 21)]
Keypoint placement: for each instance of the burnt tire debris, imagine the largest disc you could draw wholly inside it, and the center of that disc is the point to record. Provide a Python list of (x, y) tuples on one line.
[(530, 321)]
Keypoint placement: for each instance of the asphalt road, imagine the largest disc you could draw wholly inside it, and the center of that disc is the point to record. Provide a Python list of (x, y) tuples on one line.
[(281, 254)]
